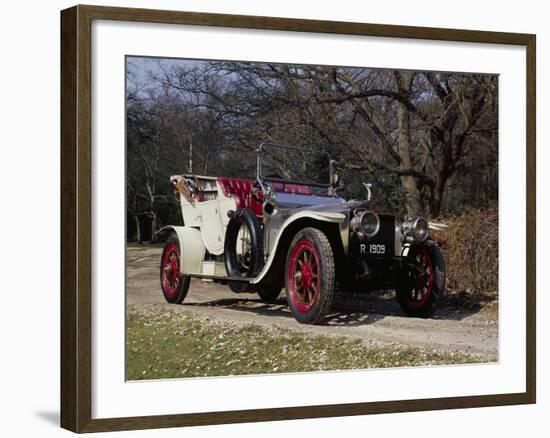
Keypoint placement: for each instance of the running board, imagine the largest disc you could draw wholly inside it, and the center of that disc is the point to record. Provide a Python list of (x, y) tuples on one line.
[(220, 278)]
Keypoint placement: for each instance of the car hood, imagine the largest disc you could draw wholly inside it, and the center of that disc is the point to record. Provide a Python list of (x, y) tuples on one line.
[(298, 202), (342, 207)]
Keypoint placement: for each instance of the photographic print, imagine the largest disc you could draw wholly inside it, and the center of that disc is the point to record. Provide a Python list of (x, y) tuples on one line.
[(301, 217), (294, 218)]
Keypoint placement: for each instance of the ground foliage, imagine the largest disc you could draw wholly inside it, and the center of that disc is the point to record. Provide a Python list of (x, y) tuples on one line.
[(174, 344), (471, 252)]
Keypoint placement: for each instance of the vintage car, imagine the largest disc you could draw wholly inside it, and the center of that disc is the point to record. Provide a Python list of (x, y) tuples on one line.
[(265, 234)]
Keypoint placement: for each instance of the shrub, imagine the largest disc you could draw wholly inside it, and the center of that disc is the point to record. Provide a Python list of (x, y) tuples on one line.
[(471, 251)]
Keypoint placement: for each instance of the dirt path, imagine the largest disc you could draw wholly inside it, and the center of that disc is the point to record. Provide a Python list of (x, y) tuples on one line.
[(375, 318)]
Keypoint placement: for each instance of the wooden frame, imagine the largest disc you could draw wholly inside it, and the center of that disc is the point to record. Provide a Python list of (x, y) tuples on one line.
[(76, 175)]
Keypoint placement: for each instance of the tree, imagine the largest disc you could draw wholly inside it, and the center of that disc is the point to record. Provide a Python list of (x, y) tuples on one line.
[(423, 138)]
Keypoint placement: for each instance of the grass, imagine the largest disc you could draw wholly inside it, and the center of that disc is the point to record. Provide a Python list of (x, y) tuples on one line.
[(172, 344)]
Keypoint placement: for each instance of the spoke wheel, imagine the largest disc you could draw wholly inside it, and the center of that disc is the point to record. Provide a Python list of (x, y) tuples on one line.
[(269, 294), (310, 276), (171, 269), (304, 273), (245, 248), (174, 285), (421, 292), (420, 298)]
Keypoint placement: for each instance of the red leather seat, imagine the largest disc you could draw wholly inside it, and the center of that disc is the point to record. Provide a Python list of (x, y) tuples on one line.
[(297, 188), (292, 188), (240, 189)]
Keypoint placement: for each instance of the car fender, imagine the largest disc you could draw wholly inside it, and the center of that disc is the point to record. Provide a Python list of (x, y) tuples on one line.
[(191, 247), (321, 216)]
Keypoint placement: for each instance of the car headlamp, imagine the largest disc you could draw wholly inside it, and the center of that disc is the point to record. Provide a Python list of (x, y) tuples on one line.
[(414, 230), (366, 223)]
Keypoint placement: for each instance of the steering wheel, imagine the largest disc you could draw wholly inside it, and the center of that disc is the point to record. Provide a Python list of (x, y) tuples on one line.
[(257, 192), (258, 189)]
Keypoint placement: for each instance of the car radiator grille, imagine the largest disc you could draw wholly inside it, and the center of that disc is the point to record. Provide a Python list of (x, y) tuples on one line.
[(385, 235)]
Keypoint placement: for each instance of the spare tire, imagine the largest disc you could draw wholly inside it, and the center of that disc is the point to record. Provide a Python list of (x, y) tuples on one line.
[(250, 259)]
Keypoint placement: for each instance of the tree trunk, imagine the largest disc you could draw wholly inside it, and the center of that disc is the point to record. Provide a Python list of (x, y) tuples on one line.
[(413, 202), (437, 196), (138, 229), (443, 172), (154, 226)]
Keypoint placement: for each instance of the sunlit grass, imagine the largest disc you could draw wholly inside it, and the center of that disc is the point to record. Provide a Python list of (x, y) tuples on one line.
[(172, 344)]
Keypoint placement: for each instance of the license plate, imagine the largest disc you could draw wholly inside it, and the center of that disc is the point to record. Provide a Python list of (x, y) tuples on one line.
[(373, 248)]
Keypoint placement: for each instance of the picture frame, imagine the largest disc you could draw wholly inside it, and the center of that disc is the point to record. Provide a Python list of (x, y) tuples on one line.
[(77, 217)]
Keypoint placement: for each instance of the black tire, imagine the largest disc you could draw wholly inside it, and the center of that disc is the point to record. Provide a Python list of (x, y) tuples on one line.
[(310, 276), (239, 287), (255, 256), (421, 301), (269, 295), (174, 285)]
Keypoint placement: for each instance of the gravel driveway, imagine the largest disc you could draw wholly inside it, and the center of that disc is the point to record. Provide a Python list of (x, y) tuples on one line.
[(374, 318)]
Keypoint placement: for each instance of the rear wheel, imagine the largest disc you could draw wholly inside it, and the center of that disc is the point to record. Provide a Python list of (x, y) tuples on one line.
[(310, 276), (269, 294), (174, 285), (420, 299)]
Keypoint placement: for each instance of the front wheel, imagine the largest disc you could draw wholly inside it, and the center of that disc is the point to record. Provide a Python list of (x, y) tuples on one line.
[(174, 285), (310, 276), (420, 298)]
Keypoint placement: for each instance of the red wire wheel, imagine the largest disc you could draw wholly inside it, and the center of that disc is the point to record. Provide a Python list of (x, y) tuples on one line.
[(171, 269), (309, 276), (420, 299), (303, 275), (174, 285), (420, 294)]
